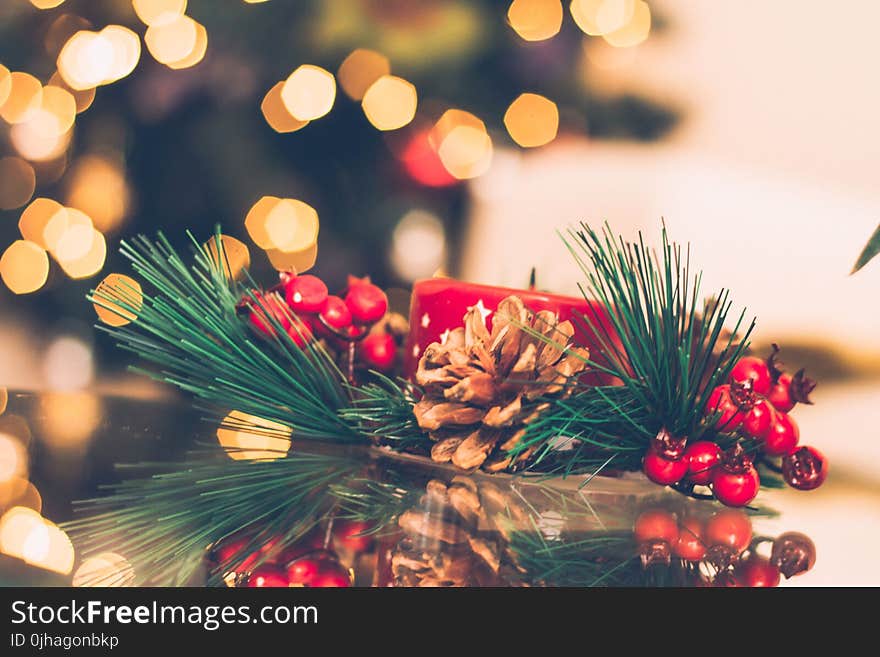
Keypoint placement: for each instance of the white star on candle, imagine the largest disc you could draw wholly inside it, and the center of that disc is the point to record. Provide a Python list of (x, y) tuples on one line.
[(481, 308), (426, 320)]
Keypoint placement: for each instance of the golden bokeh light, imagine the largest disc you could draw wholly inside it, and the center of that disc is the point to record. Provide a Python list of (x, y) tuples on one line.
[(26, 535), (390, 103), (173, 40), (23, 99), (24, 267), (82, 97), (5, 84), (97, 186), (635, 31), (36, 219), (74, 240), (91, 262), (248, 437), (309, 92), (18, 491), (298, 262), (360, 70), (46, 4), (68, 419), (118, 299), (235, 259), (17, 182), (105, 569), (46, 133), (532, 120), (152, 12), (462, 144), (17, 427), (60, 31), (68, 364), (535, 20), (197, 53), (276, 114), (287, 225), (60, 104), (4, 399), (13, 458), (601, 17), (86, 60), (126, 47)]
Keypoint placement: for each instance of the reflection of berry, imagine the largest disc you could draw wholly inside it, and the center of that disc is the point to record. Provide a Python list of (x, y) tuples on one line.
[(655, 524), (350, 533), (664, 471), (268, 576), (805, 468), (757, 572), (793, 553), (752, 369), (690, 544), (379, 351), (702, 457), (783, 435), (331, 574), (730, 528)]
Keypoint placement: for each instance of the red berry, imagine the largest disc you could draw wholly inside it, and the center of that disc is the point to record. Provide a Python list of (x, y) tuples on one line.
[(702, 457), (305, 294), (350, 533), (793, 553), (335, 313), (300, 332), (690, 544), (721, 401), (736, 488), (265, 307), (752, 368), (379, 351), (780, 394), (367, 302), (655, 525), (730, 528), (759, 420), (757, 572), (331, 574), (268, 576), (303, 570), (664, 471), (783, 435), (805, 468)]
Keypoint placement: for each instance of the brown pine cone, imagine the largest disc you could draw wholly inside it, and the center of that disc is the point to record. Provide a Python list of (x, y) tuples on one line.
[(482, 388)]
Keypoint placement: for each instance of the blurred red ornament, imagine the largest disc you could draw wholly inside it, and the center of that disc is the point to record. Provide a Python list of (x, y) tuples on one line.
[(335, 313), (422, 163), (300, 332), (655, 524), (729, 528), (331, 575), (690, 544), (757, 572), (268, 576)]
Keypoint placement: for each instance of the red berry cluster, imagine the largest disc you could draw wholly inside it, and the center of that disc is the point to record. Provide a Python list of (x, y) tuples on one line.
[(754, 405), (724, 543), (304, 308), (309, 562)]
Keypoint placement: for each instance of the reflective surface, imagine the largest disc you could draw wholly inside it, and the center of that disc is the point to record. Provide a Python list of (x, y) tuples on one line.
[(418, 524)]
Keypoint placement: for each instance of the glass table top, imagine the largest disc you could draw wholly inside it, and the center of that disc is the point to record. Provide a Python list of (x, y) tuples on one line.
[(419, 524)]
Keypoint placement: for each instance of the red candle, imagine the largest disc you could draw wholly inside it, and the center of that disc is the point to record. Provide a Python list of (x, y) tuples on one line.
[(439, 305)]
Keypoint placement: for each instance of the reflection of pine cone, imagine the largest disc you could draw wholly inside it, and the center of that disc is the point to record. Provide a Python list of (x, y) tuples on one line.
[(453, 538), (481, 389)]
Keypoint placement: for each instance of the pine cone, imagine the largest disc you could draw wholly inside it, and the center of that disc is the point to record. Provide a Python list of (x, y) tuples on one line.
[(452, 539), (482, 388)]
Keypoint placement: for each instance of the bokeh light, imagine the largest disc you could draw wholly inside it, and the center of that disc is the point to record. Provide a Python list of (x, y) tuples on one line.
[(172, 40), (17, 427), (118, 299), (46, 4), (25, 534), (247, 437), (36, 219), (68, 364), (126, 47), (105, 569), (17, 182), (89, 59), (5, 84), (18, 491), (83, 97), (76, 238), (605, 17), (13, 458), (152, 12), (309, 92), (4, 399), (635, 31), (46, 133), (68, 419), (535, 20), (390, 103), (532, 120), (287, 225), (418, 245), (24, 267), (60, 31), (96, 185), (91, 262), (422, 163), (462, 144), (298, 262), (23, 99), (276, 114), (235, 259), (197, 53), (360, 70)]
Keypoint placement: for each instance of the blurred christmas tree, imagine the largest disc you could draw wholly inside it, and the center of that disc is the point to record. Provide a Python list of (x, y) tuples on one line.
[(196, 140)]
